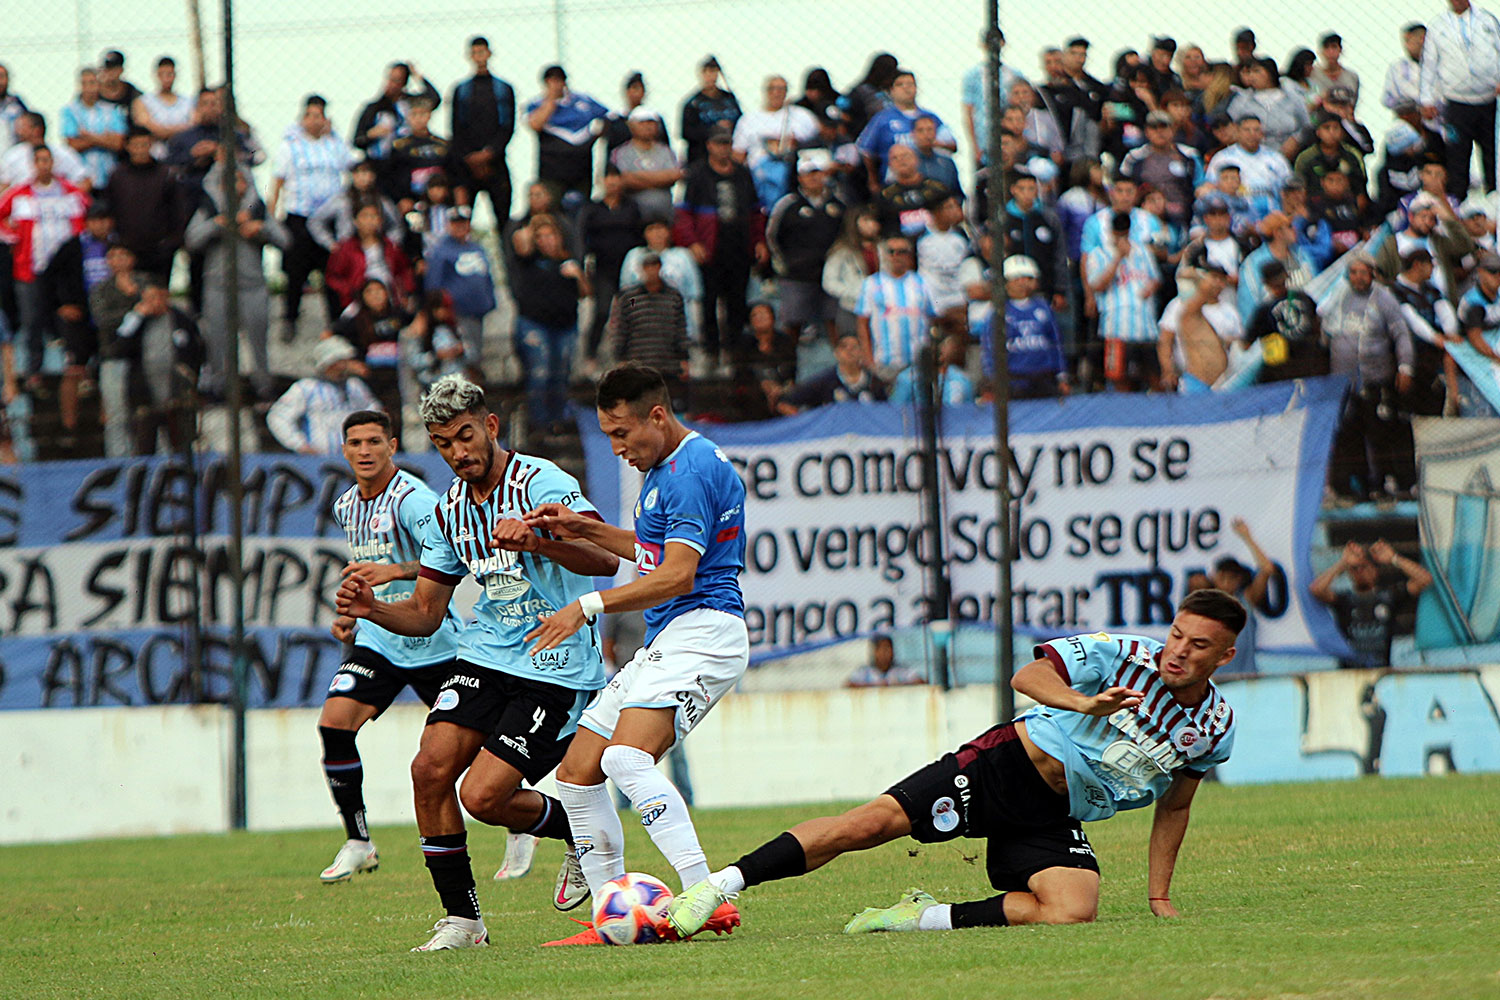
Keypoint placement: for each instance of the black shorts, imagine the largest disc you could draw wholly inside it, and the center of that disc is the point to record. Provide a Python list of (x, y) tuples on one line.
[(991, 789), (368, 677), (527, 723)]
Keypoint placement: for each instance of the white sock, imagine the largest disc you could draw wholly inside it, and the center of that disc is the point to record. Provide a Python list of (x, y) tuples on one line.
[(936, 918), (664, 814), (731, 879), (598, 836)]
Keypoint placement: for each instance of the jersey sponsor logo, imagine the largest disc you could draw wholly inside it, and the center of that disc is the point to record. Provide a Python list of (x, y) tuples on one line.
[(342, 682), (551, 659), (355, 668), (728, 514), (370, 551), (1139, 757), (461, 679), (647, 556), (727, 534), (447, 701), (944, 815), (961, 781), (687, 706), (651, 499), (516, 743)]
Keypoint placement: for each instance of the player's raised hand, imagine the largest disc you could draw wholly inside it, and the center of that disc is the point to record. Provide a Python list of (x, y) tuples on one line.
[(356, 598), (343, 628), (376, 574), (513, 535), (563, 522), (1112, 699), (551, 631)]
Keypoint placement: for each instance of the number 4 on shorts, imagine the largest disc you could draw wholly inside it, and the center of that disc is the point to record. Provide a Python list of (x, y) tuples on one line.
[(537, 718)]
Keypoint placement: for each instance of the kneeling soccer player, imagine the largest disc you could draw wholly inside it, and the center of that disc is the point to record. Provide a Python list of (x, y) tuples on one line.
[(1120, 721)]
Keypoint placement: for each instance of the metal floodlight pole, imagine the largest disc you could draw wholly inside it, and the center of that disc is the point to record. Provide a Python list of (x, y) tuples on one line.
[(939, 588), (229, 162), (1005, 700)]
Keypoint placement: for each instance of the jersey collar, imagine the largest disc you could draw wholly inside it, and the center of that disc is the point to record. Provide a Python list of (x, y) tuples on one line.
[(680, 445)]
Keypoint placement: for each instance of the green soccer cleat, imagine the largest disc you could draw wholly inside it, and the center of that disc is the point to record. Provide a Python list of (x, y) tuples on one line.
[(904, 916), (693, 908)]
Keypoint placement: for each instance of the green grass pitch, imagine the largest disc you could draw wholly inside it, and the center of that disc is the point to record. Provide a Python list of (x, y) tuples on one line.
[(1367, 889)]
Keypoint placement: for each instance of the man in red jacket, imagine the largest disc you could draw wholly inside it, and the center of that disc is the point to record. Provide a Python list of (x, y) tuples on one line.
[(37, 217), (365, 255)]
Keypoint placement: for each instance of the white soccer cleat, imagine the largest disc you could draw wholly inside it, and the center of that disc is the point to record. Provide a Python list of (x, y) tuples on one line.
[(520, 849), (572, 888), (452, 933), (354, 857)]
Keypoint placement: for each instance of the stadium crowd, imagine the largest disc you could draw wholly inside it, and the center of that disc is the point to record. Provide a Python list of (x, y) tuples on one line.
[(1187, 223)]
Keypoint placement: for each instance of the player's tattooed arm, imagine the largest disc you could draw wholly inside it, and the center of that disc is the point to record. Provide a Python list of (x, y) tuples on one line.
[(1040, 682), (565, 523), (382, 573), (418, 615)]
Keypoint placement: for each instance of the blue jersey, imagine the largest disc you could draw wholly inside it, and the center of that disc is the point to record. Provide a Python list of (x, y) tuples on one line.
[(393, 527), (1125, 760), (519, 588), (695, 497)]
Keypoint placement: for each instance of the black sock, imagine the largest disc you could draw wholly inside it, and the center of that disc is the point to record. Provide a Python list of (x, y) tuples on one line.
[(779, 858), (553, 823), (984, 913), (447, 858), (346, 779)]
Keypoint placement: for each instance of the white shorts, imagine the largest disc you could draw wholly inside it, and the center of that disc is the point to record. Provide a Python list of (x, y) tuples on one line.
[(692, 663)]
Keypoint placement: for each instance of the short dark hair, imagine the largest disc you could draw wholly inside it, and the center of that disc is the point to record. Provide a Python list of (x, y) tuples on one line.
[(903, 71), (635, 384), (359, 417), (136, 131), (1332, 38), (1416, 255), (554, 71), (1222, 607), (166, 61), (479, 40), (37, 119), (315, 101)]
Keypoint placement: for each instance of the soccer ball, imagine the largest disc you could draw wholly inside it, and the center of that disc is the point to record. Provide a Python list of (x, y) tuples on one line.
[(627, 909)]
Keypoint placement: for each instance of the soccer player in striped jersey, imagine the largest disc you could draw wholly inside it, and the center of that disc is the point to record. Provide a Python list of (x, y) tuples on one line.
[(1121, 721), (386, 514), (503, 715), (689, 545)]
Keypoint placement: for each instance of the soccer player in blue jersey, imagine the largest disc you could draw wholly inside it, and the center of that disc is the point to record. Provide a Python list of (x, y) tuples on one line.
[(1121, 721), (689, 545), (386, 514), (502, 714)]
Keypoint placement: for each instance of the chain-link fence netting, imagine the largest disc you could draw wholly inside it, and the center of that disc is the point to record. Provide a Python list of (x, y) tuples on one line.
[(784, 207)]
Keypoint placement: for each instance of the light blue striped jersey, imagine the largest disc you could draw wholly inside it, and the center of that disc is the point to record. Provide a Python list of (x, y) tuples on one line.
[(1123, 313), (312, 170), (104, 118), (1144, 228), (392, 527), (900, 311), (1125, 760), (519, 588)]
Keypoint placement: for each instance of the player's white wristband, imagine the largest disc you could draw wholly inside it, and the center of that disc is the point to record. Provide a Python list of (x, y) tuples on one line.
[(592, 604)]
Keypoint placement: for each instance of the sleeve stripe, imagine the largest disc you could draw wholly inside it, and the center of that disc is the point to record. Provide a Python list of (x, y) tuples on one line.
[(438, 576), (1056, 660), (690, 543)]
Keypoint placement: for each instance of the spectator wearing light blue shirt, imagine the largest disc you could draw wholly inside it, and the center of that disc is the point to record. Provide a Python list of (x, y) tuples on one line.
[(953, 385), (309, 171), (974, 98), (895, 310), (95, 129)]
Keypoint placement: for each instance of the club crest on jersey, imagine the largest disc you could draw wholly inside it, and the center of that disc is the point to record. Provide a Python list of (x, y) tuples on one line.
[(1190, 741), (382, 521), (342, 682), (651, 499), (944, 815), (447, 700)]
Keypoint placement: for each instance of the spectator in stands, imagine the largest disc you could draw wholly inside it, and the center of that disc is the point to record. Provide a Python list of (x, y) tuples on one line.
[(648, 168), (165, 112), (384, 120), (1123, 277), (1433, 227), (1066, 103), (895, 310), (373, 323), (426, 223), (1330, 72), (548, 284), (1172, 169), (430, 349), (1459, 80), (1040, 128), (1123, 195), (610, 228), (848, 380), (1370, 345), (617, 123), (1479, 317), (679, 270), (1338, 204), (905, 203), (1217, 245), (255, 230), (309, 169), (721, 222), (1339, 102), (483, 119), (894, 125), (11, 108), (882, 670), (1075, 60), (1403, 80), (767, 365), (803, 228), (872, 94), (1159, 66), (113, 87), (1250, 587), (194, 150), (80, 265), (566, 124), (951, 384), (37, 217), (333, 223), (934, 162), (417, 155), (309, 417), (1192, 64), (148, 206), (1034, 350), (1367, 611), (1433, 323), (166, 351), (458, 267), (17, 165), (1281, 115), (1314, 238), (1244, 54), (1263, 169), (648, 324), (974, 277), (767, 141), (1285, 329), (1329, 152), (94, 129), (708, 107), (1197, 329), (941, 251), (1280, 245), (1478, 221), (109, 303), (973, 99), (852, 258), (1295, 77), (368, 254), (1035, 231)]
